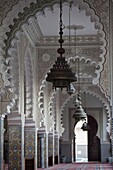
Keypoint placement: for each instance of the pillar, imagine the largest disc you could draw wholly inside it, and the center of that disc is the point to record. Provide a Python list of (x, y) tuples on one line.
[(112, 140), (56, 149), (29, 140), (14, 141), (50, 150), (111, 64), (1, 142), (42, 149)]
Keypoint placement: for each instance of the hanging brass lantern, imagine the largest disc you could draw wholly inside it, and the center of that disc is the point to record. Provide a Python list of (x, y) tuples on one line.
[(79, 113), (61, 75), (85, 126)]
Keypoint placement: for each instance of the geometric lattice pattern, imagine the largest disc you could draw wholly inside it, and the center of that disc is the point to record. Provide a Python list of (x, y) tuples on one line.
[(39, 151), (50, 145), (29, 143), (14, 147), (56, 146)]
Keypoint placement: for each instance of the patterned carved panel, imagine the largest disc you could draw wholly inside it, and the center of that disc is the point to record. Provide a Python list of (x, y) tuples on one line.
[(29, 143), (39, 151), (42, 150), (56, 146), (45, 152), (5, 6), (50, 145), (15, 147), (43, 64)]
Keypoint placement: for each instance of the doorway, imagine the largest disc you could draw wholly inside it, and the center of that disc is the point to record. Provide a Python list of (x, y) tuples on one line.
[(81, 143), (87, 143), (94, 151)]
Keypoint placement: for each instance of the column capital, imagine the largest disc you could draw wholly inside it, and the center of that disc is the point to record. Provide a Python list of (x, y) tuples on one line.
[(29, 123), (14, 118)]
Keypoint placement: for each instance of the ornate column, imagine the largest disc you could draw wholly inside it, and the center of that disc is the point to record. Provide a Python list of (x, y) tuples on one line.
[(14, 140), (42, 149), (29, 139), (50, 149), (56, 148), (1, 141), (111, 64)]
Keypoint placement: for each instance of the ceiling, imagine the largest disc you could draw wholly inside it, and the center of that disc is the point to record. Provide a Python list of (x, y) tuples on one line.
[(49, 21)]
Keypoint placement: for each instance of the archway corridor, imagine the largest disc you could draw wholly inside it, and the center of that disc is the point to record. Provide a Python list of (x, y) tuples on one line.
[(40, 120)]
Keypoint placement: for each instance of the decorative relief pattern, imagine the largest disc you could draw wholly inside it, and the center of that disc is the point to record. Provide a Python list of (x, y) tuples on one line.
[(5, 100), (105, 83), (29, 143), (5, 6), (40, 103), (92, 53), (103, 11), (28, 86), (50, 144), (56, 149), (46, 57), (39, 150), (103, 14), (14, 147), (45, 151), (42, 65)]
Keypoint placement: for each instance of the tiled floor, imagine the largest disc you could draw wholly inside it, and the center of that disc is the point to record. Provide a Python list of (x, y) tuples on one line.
[(81, 166), (78, 166)]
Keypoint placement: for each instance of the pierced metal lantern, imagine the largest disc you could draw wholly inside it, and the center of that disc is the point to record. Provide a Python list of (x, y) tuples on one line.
[(61, 75), (79, 114)]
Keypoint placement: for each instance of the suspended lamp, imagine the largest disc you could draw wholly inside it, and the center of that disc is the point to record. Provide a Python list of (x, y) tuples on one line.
[(61, 75), (79, 112), (85, 127)]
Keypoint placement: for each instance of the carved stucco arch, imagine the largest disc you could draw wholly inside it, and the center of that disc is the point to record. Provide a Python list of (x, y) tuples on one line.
[(18, 16), (100, 96), (28, 83), (50, 106)]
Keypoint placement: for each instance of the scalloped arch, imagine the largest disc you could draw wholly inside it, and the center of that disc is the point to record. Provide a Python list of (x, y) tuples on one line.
[(16, 17), (28, 83), (104, 100), (50, 5)]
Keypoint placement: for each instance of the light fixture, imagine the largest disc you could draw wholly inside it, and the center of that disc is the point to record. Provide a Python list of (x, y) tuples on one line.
[(61, 75), (85, 126), (79, 112)]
